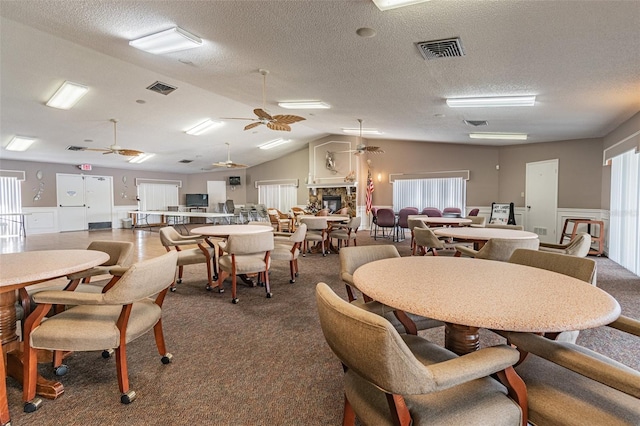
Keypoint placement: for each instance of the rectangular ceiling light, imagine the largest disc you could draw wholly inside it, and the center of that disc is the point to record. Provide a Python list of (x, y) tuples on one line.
[(356, 131), (141, 158), (304, 105), (67, 95), (19, 143), (167, 41), (499, 101), (274, 143), (392, 4), (499, 136), (203, 127)]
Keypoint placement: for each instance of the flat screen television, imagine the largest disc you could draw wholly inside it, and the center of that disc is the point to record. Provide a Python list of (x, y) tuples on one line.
[(197, 200), (234, 180)]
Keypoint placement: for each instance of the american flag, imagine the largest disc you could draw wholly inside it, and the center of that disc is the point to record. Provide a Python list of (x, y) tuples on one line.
[(369, 190)]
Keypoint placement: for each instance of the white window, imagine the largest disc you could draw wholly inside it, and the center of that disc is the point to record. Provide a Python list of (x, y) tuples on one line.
[(624, 220), (10, 202), (435, 192), (281, 197), (157, 196)]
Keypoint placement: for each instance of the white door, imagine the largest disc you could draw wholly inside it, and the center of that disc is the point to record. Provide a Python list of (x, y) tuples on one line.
[(71, 203), (217, 190), (98, 190), (541, 199)]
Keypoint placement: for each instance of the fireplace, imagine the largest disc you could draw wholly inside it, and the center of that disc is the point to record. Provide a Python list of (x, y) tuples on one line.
[(331, 202)]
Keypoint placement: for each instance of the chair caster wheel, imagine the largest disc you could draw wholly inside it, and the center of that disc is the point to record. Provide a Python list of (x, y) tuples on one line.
[(221, 290), (128, 398), (324, 254), (292, 281), (296, 274), (208, 288), (179, 281), (33, 405), (268, 295), (235, 301), (61, 370), (172, 289), (107, 353), (167, 358), (260, 284), (215, 278)]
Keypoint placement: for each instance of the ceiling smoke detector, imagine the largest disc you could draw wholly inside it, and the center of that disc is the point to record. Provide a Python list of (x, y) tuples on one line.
[(445, 48), (162, 88), (476, 123)]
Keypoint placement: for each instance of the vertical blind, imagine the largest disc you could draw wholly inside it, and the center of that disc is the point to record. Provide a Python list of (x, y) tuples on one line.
[(155, 196), (281, 197), (624, 219), (436, 192), (10, 202)]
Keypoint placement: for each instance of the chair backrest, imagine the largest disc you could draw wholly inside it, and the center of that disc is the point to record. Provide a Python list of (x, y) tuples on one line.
[(314, 223), (431, 212), (119, 251), (231, 208), (351, 258), (424, 237), (416, 223), (403, 216), (354, 223), (581, 268), (580, 245), (452, 210), (474, 212), (387, 362), (323, 212), (299, 234), (143, 279), (385, 217), (344, 210), (502, 248), (169, 236), (478, 220), (241, 244)]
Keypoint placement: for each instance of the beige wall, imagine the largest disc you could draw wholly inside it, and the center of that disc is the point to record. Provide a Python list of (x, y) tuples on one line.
[(290, 166), (197, 184)]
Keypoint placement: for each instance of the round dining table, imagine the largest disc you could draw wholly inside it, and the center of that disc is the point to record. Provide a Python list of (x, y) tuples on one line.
[(479, 236), (18, 270), (467, 294), (441, 221)]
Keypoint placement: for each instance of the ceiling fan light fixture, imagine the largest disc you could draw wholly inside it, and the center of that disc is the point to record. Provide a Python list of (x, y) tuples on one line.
[(499, 136), (172, 40), (358, 131), (497, 101), (67, 95), (392, 4), (274, 143), (19, 143), (199, 129), (141, 158), (304, 105)]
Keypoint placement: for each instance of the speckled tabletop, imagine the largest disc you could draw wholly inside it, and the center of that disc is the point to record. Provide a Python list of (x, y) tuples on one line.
[(441, 220), (226, 230), (487, 294), (484, 234)]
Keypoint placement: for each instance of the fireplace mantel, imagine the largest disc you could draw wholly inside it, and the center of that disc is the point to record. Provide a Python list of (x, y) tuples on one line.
[(333, 185)]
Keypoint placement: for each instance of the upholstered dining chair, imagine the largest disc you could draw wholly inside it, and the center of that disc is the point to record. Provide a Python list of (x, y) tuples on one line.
[(126, 311), (431, 212), (171, 239), (568, 384), (344, 210), (279, 220), (451, 211), (413, 224), (246, 254), (385, 219), (477, 221), (289, 249), (426, 241), (498, 248), (579, 246), (317, 231), (403, 219), (402, 380), (473, 212), (346, 233), (323, 212), (351, 258)]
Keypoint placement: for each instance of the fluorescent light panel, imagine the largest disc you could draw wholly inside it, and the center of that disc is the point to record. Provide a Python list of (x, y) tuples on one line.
[(304, 105), (356, 131), (67, 95), (274, 143), (392, 4), (141, 158), (19, 143), (500, 101), (167, 41), (499, 136), (203, 127)]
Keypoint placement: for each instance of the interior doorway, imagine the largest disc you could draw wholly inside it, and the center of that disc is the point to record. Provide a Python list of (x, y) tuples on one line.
[(541, 199), (84, 202)]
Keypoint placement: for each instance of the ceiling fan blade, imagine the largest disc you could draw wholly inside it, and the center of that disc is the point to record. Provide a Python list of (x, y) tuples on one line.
[(108, 152), (236, 118), (129, 152), (252, 125), (373, 149), (288, 119), (262, 114), (275, 125), (348, 151), (236, 165), (219, 164)]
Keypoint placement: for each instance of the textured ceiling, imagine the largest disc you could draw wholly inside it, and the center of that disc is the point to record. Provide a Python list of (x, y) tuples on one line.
[(581, 59)]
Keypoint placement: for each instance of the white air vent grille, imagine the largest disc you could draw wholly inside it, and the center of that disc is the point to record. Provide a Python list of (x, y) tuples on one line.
[(540, 230), (476, 123), (162, 88), (75, 148), (440, 48)]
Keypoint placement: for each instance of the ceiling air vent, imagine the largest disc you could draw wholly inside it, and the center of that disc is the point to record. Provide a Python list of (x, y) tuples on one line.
[(162, 88), (75, 148), (476, 123), (185, 161), (440, 48)]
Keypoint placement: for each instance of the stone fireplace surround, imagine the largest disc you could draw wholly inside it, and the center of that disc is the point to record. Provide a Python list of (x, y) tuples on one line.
[(348, 196)]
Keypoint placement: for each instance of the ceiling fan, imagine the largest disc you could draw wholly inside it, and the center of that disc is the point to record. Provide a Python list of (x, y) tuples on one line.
[(362, 148), (115, 148), (275, 122), (229, 164)]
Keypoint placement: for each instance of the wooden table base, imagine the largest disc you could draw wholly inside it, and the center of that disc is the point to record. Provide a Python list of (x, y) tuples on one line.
[(461, 339)]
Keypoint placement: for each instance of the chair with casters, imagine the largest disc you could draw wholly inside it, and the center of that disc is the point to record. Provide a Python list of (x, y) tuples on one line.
[(170, 238), (351, 258), (385, 219), (499, 249), (393, 379), (451, 212), (413, 224), (403, 219), (579, 246), (289, 250), (431, 212), (317, 231), (113, 319), (323, 212), (347, 233), (568, 384), (246, 254), (478, 221), (473, 212), (426, 241), (280, 221)]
